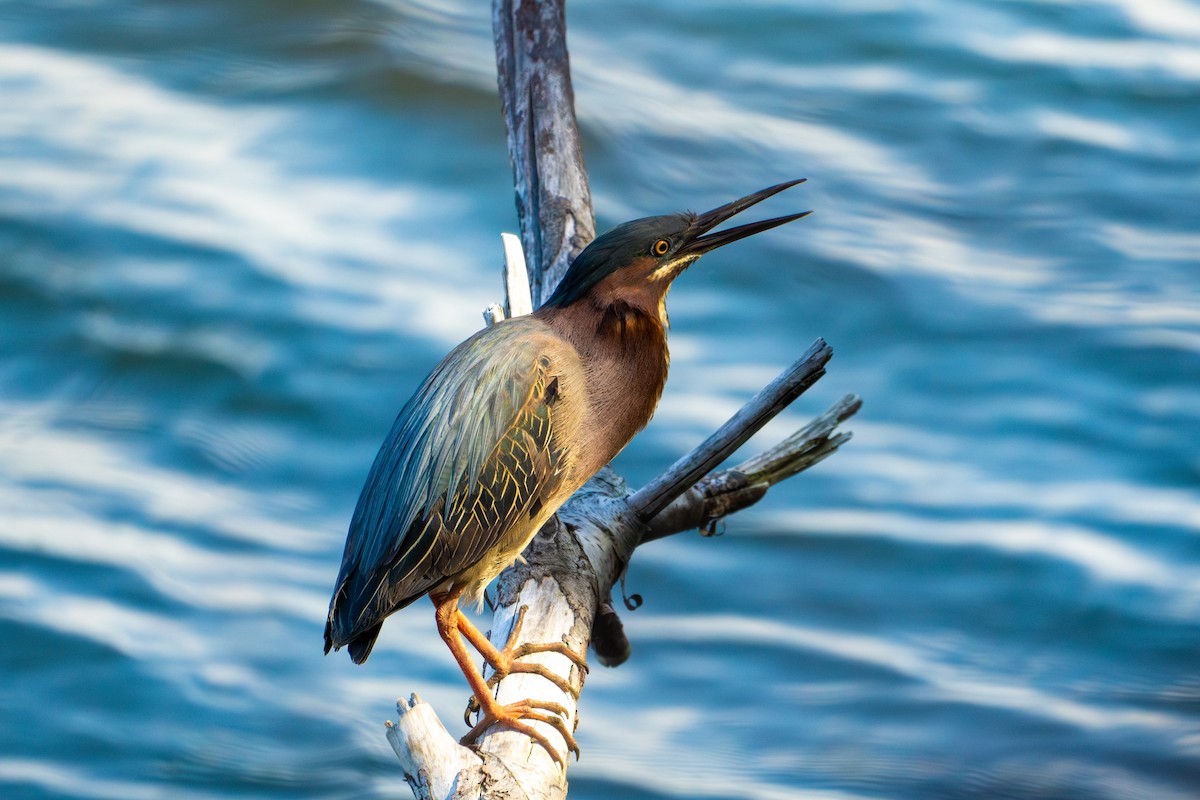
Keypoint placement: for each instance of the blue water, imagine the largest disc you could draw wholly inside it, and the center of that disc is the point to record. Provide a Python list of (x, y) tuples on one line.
[(234, 235)]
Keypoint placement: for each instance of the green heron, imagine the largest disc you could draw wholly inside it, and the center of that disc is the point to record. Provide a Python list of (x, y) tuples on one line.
[(502, 432)]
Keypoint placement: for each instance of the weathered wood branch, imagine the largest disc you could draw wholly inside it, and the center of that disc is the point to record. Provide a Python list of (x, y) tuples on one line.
[(776, 396), (554, 202), (722, 493), (570, 568)]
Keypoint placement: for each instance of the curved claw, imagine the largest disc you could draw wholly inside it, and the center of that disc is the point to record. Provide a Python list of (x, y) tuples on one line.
[(472, 708)]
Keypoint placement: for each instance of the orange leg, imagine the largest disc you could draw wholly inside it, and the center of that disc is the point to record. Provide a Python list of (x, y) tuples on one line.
[(451, 623), (505, 662)]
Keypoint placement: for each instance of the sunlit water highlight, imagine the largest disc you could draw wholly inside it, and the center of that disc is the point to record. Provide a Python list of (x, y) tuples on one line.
[(234, 235)]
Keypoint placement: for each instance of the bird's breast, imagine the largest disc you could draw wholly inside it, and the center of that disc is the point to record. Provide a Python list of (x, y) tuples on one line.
[(626, 371)]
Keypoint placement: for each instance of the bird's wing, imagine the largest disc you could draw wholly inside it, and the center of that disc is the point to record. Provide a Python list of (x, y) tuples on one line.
[(470, 452)]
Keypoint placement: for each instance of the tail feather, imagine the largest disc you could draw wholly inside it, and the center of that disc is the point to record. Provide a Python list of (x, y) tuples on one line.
[(360, 646), (344, 618)]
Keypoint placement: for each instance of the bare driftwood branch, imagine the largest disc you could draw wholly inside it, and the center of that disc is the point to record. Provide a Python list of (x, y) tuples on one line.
[(554, 203), (776, 396), (722, 493), (565, 584)]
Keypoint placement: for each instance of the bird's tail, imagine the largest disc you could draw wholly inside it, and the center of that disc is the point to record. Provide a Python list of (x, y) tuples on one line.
[(347, 616), (360, 646)]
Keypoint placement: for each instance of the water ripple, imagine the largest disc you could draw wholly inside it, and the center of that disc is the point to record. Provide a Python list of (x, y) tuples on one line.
[(233, 237)]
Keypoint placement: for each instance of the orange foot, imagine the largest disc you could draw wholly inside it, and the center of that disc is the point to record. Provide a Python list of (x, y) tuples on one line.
[(505, 662), (453, 626), (511, 716)]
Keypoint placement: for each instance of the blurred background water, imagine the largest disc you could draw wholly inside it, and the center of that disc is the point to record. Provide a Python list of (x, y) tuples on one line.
[(234, 235)]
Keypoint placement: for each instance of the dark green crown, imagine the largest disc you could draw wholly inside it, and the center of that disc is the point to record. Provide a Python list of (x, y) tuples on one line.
[(615, 249)]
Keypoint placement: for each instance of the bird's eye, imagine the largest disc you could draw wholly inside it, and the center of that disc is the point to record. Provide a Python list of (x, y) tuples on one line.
[(661, 247)]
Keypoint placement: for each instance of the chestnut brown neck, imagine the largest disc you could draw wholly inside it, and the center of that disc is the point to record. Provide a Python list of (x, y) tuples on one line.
[(621, 339)]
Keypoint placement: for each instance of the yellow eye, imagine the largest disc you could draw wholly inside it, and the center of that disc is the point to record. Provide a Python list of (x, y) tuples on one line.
[(661, 247)]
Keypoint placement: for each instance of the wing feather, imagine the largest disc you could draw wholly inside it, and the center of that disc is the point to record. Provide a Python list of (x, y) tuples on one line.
[(470, 452)]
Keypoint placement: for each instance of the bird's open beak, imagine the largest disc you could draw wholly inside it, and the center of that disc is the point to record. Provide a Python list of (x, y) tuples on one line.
[(705, 222)]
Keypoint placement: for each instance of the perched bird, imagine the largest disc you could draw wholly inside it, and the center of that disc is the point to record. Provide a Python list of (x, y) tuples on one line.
[(503, 431)]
